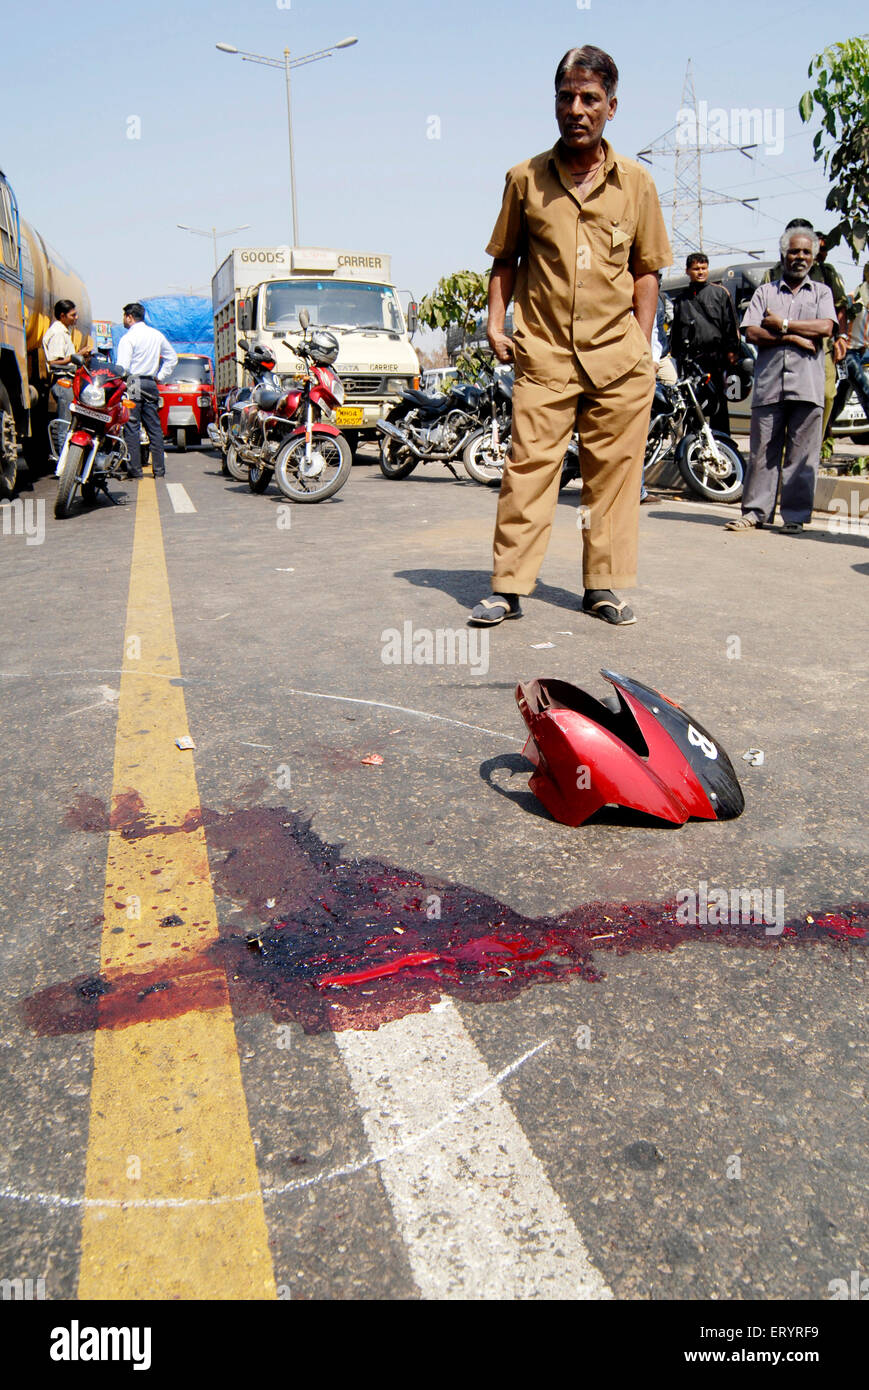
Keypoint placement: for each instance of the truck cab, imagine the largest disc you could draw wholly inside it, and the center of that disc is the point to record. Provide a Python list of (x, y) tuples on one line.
[(350, 293)]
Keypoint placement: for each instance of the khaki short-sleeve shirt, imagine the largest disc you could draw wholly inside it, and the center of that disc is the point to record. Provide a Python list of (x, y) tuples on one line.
[(574, 290)]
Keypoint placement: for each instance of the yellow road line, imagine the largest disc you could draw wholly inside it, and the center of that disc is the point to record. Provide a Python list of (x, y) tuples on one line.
[(169, 1125)]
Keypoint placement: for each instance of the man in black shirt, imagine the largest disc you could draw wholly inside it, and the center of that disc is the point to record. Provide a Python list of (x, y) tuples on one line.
[(705, 330)]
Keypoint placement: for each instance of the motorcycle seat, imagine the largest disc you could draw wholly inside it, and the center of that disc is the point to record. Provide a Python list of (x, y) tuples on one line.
[(435, 404)]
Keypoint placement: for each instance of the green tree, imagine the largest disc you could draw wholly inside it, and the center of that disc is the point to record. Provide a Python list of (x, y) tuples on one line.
[(841, 93), (456, 300)]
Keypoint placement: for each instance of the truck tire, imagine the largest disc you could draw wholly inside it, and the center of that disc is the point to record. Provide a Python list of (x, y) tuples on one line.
[(8, 446)]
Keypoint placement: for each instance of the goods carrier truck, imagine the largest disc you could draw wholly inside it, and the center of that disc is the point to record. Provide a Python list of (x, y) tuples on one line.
[(32, 278), (258, 292)]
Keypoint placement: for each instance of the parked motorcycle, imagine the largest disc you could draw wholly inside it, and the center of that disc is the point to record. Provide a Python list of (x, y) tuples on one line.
[(484, 453), (94, 449), (267, 428), (709, 461), (232, 430), (430, 429), (315, 460)]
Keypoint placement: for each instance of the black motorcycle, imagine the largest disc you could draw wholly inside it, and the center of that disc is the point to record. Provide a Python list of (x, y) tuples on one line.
[(240, 410), (484, 453), (708, 460), (430, 429)]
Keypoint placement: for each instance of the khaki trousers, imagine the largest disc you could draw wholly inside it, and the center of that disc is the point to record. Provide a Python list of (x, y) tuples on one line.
[(613, 425)]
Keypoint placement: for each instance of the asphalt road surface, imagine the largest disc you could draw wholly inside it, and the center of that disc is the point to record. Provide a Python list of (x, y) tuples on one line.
[(192, 1110)]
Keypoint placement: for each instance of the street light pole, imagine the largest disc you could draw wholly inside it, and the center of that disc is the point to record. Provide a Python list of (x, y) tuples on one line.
[(287, 63), (292, 157)]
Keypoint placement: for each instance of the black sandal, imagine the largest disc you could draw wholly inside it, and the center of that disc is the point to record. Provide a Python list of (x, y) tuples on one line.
[(622, 615), (491, 611)]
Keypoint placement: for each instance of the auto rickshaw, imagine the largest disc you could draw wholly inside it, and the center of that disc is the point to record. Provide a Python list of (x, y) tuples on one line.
[(187, 400)]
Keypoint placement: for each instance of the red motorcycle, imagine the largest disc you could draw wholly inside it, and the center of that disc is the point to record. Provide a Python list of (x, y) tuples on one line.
[(316, 459), (94, 450)]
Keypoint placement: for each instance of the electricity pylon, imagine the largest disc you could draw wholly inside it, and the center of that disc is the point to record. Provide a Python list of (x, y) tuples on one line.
[(689, 198)]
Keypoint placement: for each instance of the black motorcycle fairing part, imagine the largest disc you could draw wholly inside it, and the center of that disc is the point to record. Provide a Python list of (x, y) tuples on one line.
[(708, 760)]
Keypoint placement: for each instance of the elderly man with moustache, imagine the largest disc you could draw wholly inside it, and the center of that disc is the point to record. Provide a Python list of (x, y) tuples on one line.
[(787, 320), (579, 239)]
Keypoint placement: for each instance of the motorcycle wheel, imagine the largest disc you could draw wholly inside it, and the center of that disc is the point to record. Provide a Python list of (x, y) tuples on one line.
[(697, 469), (68, 480), (479, 462), (258, 477), (234, 467), (395, 460), (338, 458)]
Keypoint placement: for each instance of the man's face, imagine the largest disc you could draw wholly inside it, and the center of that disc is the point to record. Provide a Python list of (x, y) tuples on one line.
[(128, 320), (799, 257), (69, 320), (582, 109), (698, 273)]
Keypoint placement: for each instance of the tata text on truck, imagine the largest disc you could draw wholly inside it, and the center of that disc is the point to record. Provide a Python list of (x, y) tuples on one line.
[(32, 278), (258, 293)]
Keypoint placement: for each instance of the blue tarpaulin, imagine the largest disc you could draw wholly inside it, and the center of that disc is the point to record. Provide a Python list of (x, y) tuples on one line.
[(187, 320)]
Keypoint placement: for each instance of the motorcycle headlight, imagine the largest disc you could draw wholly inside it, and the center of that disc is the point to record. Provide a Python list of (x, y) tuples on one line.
[(93, 395), (397, 384)]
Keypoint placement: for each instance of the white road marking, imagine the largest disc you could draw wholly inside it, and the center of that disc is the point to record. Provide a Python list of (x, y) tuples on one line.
[(474, 1206), (179, 498), (346, 1170)]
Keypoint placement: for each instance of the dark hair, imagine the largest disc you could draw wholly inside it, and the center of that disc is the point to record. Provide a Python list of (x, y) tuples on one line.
[(63, 306), (593, 60), (696, 258), (799, 222), (134, 310)]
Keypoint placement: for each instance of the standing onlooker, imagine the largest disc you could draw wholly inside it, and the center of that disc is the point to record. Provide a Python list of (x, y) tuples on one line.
[(148, 358), (824, 274), (705, 330), (58, 347), (579, 237), (787, 321)]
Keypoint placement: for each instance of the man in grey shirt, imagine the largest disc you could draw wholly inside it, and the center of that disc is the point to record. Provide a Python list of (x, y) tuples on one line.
[(787, 321)]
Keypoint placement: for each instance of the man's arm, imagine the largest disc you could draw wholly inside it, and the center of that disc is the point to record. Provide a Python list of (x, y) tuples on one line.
[(168, 359), (808, 328), (501, 282), (646, 302), (125, 352), (761, 337)]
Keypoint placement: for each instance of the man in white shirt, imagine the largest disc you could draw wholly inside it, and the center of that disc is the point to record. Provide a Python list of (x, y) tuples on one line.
[(148, 358), (58, 347)]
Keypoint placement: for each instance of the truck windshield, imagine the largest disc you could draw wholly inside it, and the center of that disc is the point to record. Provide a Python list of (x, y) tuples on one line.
[(196, 369), (332, 303)]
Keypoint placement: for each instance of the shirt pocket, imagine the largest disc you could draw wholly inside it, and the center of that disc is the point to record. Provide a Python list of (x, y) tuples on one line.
[(618, 239)]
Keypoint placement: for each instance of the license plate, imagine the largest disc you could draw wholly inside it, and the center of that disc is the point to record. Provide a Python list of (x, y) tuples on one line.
[(348, 415), (91, 414)]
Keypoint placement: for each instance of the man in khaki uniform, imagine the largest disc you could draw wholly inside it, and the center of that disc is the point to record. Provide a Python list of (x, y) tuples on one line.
[(577, 244)]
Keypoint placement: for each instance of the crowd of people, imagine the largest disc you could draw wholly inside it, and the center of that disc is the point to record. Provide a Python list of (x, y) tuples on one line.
[(579, 245)]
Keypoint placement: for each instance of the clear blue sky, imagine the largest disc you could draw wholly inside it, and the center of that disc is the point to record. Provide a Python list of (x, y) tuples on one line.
[(213, 148)]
